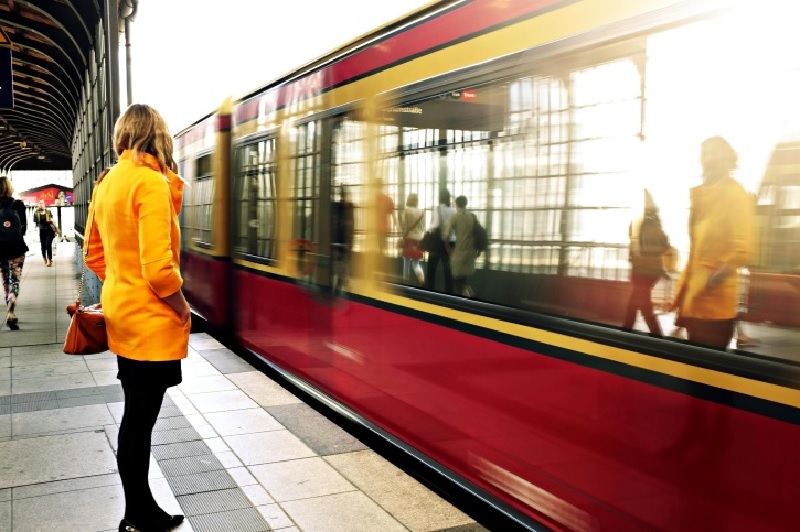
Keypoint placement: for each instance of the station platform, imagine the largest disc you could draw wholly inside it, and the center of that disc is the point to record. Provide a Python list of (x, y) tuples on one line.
[(232, 449)]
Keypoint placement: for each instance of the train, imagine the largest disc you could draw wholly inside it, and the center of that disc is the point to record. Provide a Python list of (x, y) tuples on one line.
[(550, 116)]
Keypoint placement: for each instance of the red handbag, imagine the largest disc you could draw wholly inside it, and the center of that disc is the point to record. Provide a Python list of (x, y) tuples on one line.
[(86, 334), (411, 249)]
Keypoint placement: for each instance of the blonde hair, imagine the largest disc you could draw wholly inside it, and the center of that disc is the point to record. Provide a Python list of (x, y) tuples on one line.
[(6, 188), (142, 129)]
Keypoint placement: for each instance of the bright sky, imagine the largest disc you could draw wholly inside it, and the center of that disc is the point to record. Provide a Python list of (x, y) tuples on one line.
[(188, 55)]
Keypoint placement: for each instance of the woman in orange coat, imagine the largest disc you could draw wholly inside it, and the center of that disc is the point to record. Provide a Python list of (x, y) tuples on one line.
[(132, 244), (720, 231)]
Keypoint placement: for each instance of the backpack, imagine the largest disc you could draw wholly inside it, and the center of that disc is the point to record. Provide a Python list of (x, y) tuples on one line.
[(12, 245), (479, 238), (652, 239), (10, 227)]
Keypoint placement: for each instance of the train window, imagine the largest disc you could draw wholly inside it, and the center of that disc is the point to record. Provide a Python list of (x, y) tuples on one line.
[(305, 171), (766, 196), (202, 191), (790, 197), (256, 194), (348, 152), (348, 171), (530, 177)]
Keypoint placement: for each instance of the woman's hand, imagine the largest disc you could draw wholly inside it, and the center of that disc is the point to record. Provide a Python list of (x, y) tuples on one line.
[(185, 314), (180, 306), (716, 278)]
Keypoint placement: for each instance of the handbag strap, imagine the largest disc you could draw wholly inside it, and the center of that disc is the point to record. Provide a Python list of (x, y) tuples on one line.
[(421, 216)]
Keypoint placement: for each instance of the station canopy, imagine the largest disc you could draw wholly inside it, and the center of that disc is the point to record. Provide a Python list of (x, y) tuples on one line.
[(50, 47)]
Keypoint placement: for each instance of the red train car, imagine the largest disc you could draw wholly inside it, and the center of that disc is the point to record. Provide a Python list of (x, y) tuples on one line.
[(550, 117)]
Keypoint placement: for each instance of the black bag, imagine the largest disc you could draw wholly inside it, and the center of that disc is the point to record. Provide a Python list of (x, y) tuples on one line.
[(479, 238), (12, 243), (432, 241)]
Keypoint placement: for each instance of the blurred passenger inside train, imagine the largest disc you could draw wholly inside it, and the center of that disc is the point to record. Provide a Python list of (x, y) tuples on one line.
[(648, 243), (742, 339), (133, 245), (342, 237), (387, 216), (413, 227), (463, 252), (12, 247), (441, 215), (721, 220), (43, 218)]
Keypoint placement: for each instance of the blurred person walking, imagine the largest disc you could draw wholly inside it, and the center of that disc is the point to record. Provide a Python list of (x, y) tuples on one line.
[(132, 244), (721, 222), (13, 224), (463, 253), (47, 231), (648, 244), (441, 215), (413, 227)]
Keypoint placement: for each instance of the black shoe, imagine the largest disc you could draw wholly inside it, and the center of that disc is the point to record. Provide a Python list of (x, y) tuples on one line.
[(13, 324), (157, 523), (127, 526), (168, 521)]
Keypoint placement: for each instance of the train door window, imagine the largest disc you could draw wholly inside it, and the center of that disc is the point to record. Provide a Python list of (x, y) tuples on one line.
[(348, 153), (305, 171), (388, 168), (184, 167), (256, 198), (203, 201), (348, 172)]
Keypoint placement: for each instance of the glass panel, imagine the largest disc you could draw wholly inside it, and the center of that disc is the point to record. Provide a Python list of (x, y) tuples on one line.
[(256, 186)]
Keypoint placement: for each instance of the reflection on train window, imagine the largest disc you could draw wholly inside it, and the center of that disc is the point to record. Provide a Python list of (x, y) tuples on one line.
[(347, 175), (305, 170), (348, 169), (766, 195), (544, 162), (202, 201), (256, 195), (790, 197)]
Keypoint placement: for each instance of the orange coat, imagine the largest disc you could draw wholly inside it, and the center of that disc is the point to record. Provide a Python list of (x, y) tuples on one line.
[(721, 237), (133, 245)]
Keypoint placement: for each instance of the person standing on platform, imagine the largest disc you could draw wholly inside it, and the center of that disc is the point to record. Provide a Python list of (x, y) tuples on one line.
[(440, 217), (413, 226), (721, 220), (133, 245), (13, 224), (462, 252), (47, 231)]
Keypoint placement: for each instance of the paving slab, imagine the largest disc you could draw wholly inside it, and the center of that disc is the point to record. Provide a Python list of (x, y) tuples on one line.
[(79, 455)]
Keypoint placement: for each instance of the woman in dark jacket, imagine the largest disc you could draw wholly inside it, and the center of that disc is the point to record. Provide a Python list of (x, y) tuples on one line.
[(47, 232), (12, 247)]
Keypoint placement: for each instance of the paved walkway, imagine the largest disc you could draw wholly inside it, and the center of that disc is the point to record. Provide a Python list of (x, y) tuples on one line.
[(232, 449)]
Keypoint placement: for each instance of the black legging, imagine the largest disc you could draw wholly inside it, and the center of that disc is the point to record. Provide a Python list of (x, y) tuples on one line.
[(430, 274), (47, 237), (133, 448)]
